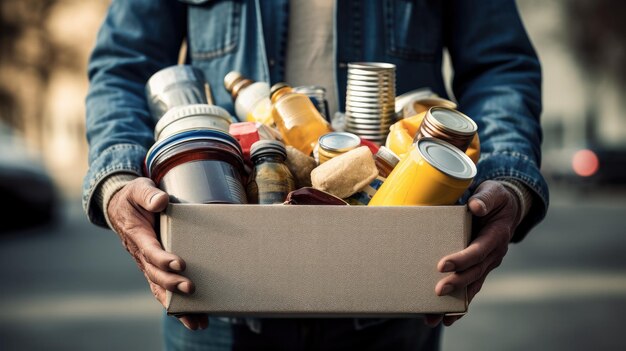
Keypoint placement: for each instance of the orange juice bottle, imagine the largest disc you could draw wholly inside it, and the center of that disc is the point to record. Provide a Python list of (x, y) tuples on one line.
[(296, 118)]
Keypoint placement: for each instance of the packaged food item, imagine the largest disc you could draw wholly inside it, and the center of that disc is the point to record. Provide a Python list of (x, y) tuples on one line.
[(251, 99), (336, 143), (270, 181), (177, 85), (385, 161), (300, 166), (370, 99), (198, 166), (246, 134), (433, 172), (312, 196), (449, 125), (406, 131), (297, 120), (345, 174)]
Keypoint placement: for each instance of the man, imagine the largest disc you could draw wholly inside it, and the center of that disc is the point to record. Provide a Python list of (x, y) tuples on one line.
[(497, 81)]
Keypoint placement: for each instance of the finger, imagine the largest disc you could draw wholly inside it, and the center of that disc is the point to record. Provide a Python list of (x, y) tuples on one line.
[(201, 320), (191, 322), (488, 196), (486, 242), (168, 281), (432, 320), (474, 288), (462, 279), (449, 320), (153, 253), (145, 194)]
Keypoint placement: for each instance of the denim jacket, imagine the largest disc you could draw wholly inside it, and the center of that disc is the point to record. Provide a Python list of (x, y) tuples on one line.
[(497, 75)]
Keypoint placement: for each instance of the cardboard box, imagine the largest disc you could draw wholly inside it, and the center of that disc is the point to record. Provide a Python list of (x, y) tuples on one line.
[(293, 260)]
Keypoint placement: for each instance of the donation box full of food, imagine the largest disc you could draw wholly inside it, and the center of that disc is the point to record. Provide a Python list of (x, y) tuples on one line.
[(284, 210)]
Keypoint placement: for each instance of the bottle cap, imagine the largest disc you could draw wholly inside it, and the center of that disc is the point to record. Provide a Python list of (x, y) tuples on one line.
[(268, 147)]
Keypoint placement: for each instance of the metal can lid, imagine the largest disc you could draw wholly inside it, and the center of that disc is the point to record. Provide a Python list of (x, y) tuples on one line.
[(178, 112), (447, 158), (388, 156), (339, 141), (267, 147), (452, 120)]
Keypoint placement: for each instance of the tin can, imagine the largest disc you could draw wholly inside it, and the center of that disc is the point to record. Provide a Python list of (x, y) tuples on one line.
[(433, 172), (192, 117), (317, 94), (336, 143), (176, 85), (200, 166), (449, 125)]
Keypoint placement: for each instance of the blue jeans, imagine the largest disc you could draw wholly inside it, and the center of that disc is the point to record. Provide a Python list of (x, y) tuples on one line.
[(303, 334)]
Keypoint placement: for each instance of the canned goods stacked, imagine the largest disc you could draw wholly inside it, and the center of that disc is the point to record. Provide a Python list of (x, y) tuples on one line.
[(370, 99)]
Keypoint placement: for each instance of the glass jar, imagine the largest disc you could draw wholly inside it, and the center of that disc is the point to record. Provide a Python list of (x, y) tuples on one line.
[(336, 143), (297, 119), (270, 181)]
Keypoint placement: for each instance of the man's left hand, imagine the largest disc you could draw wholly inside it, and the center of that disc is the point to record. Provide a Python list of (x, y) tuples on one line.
[(496, 212)]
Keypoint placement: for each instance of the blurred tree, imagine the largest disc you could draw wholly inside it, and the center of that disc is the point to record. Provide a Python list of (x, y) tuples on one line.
[(26, 56), (597, 33)]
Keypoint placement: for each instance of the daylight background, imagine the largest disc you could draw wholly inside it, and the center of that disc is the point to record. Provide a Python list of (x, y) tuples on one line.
[(69, 285)]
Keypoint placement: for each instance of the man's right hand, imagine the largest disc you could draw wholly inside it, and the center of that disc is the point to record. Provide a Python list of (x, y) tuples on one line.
[(132, 211)]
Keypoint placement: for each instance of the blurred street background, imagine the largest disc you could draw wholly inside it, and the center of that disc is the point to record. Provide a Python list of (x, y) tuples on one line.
[(68, 285)]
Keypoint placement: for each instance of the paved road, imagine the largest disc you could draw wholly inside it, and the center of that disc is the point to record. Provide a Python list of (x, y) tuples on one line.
[(71, 286)]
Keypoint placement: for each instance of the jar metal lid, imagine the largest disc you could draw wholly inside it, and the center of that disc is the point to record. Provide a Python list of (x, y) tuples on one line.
[(263, 147), (339, 141), (447, 158)]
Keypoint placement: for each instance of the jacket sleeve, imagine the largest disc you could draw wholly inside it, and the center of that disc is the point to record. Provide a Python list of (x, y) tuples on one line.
[(497, 82), (136, 39)]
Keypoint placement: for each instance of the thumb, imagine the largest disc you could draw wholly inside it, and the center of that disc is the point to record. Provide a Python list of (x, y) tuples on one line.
[(484, 199), (148, 196)]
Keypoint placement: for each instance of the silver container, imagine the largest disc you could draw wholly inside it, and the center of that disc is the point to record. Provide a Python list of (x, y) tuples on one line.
[(173, 86)]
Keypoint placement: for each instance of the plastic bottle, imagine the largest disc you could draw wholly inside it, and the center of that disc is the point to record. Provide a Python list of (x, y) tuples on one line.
[(252, 99), (296, 118)]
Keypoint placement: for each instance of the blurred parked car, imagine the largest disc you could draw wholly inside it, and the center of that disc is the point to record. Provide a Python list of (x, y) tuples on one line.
[(28, 196)]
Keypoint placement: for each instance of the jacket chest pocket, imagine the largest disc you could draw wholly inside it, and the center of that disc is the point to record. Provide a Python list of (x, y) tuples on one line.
[(213, 27), (414, 28)]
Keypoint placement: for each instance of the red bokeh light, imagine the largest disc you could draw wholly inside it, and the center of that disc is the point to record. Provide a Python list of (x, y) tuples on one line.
[(585, 163)]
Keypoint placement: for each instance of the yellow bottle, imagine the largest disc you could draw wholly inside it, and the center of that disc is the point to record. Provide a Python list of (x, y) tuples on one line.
[(296, 118)]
